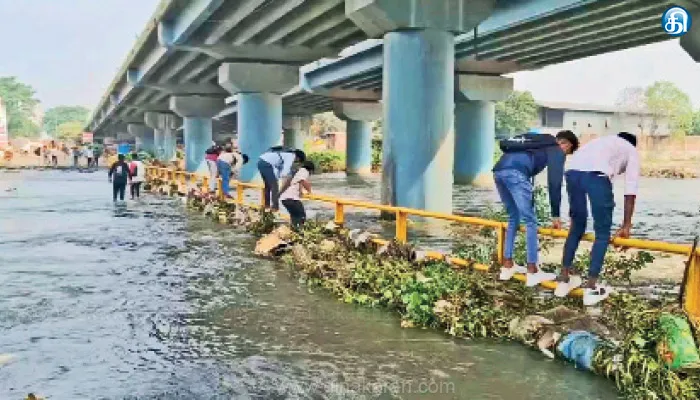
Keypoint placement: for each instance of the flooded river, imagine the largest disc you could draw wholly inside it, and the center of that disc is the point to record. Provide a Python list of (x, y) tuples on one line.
[(147, 302)]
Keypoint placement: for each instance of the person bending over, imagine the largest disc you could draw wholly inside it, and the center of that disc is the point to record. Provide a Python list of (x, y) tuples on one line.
[(292, 191), (274, 164), (589, 179), (525, 156), (119, 176), (228, 164)]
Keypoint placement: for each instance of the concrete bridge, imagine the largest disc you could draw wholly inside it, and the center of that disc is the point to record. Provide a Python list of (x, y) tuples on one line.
[(436, 69)]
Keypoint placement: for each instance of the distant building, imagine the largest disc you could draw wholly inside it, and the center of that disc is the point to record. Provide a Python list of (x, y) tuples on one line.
[(4, 138), (586, 119)]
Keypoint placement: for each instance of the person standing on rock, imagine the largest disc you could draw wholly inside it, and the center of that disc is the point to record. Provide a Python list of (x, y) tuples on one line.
[(119, 176), (589, 179), (292, 191), (274, 164), (525, 156)]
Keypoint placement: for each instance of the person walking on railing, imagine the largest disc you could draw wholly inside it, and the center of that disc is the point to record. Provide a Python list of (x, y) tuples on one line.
[(118, 175), (211, 155), (525, 156), (291, 194), (274, 164), (589, 179)]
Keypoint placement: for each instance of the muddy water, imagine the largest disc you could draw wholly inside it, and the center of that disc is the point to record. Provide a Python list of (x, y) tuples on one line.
[(667, 210), (145, 302)]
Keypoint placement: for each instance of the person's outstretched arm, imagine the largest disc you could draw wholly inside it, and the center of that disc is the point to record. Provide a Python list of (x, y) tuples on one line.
[(632, 173), (555, 175)]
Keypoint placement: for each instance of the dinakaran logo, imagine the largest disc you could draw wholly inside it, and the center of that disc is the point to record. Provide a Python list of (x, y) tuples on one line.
[(676, 21)]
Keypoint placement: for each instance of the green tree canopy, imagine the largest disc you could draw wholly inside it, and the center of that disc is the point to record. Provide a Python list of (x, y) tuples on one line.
[(71, 130), (516, 113), (57, 116), (19, 99), (664, 100)]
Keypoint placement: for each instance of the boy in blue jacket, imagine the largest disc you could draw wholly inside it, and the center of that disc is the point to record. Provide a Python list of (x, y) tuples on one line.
[(525, 156)]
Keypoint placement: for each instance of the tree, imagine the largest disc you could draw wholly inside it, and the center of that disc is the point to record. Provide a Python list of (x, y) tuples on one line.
[(71, 131), (20, 102), (516, 113), (56, 116), (324, 123), (666, 102), (695, 128), (632, 105)]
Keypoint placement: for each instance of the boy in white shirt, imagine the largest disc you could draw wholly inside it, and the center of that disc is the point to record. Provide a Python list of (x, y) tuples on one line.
[(291, 194), (589, 178)]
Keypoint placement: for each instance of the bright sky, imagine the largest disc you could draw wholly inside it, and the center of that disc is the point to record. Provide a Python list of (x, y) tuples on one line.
[(69, 50)]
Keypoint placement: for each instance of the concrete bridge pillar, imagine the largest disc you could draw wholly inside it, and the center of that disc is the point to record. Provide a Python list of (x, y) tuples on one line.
[(259, 88), (143, 135), (170, 137), (156, 121), (475, 126), (358, 149), (418, 93), (197, 113), (295, 127)]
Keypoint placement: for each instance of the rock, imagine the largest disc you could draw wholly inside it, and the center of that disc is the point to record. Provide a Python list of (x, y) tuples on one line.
[(269, 244), (327, 246)]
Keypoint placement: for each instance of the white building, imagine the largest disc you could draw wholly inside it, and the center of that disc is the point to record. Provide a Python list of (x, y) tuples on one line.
[(586, 119)]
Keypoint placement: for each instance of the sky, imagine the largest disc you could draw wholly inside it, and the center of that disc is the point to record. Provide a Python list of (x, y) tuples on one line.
[(70, 50)]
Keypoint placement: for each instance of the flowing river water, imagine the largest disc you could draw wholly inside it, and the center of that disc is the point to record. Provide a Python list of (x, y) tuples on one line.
[(148, 302)]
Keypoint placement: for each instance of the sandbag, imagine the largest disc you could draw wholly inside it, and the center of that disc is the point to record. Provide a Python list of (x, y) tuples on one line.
[(677, 349), (579, 348)]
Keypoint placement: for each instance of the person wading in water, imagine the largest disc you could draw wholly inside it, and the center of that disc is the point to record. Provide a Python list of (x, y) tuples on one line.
[(119, 176)]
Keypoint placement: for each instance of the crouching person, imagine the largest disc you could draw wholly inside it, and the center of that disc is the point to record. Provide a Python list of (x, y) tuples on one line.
[(525, 156), (292, 191)]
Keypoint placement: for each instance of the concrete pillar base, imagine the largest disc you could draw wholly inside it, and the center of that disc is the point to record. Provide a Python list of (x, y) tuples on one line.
[(198, 138), (358, 152), (418, 146), (259, 128), (475, 125), (144, 136)]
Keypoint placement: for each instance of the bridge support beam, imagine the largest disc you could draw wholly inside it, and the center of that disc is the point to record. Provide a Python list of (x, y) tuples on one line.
[(197, 113), (143, 135), (259, 88), (358, 149), (156, 121), (475, 126), (295, 128), (418, 93)]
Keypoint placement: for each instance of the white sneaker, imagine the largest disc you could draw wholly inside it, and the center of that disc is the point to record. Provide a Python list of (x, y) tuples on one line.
[(539, 277), (564, 288), (507, 273), (592, 297)]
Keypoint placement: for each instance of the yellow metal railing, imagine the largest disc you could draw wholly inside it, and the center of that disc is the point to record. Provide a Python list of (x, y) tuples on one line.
[(692, 297)]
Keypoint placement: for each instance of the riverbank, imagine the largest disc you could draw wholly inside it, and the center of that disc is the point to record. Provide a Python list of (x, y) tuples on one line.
[(471, 304)]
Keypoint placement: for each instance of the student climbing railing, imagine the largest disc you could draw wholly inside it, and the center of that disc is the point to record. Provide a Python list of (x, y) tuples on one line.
[(692, 291)]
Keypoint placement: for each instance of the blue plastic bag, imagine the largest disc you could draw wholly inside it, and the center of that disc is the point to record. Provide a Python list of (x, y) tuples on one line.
[(579, 347)]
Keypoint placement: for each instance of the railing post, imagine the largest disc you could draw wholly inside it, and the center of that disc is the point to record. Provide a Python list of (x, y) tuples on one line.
[(205, 184), (501, 242), (262, 198), (239, 193), (339, 213), (401, 226), (692, 288), (220, 188)]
